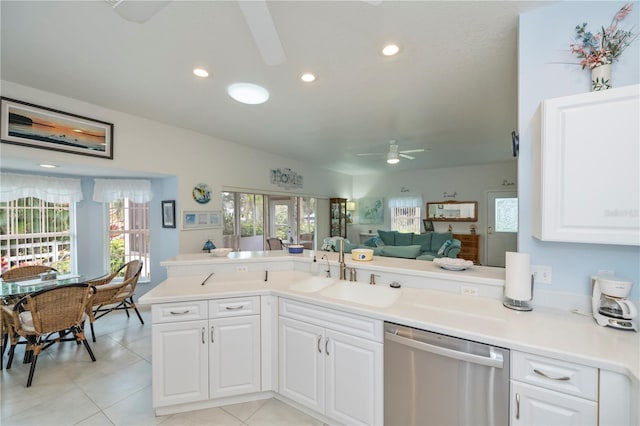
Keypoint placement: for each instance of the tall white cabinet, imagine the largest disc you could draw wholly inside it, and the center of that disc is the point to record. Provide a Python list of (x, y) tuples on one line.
[(586, 168), (331, 362)]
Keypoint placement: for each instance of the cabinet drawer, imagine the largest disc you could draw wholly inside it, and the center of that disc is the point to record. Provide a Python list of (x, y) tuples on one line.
[(550, 373), (178, 311), (234, 306)]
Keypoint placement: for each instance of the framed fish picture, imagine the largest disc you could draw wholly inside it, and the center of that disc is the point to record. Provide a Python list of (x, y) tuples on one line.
[(26, 124)]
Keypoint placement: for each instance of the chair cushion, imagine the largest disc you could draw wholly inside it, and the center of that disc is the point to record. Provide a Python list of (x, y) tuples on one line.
[(407, 252), (404, 239), (388, 237), (26, 321)]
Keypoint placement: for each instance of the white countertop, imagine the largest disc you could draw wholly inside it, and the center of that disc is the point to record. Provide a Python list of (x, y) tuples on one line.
[(560, 334)]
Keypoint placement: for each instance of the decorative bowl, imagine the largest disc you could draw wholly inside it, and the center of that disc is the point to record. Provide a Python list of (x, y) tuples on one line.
[(296, 248), (220, 252), (363, 255), (452, 264)]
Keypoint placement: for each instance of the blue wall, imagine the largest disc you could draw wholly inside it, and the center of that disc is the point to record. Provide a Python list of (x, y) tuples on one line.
[(546, 70)]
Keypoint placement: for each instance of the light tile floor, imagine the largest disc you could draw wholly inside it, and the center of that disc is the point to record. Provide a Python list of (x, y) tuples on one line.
[(68, 389)]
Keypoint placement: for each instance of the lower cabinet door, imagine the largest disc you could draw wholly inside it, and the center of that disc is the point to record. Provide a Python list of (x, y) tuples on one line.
[(180, 362), (301, 363), (234, 356), (354, 393), (533, 405)]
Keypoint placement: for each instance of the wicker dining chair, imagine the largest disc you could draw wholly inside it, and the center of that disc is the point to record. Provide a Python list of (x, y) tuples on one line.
[(52, 311), (25, 272), (111, 296), (274, 243)]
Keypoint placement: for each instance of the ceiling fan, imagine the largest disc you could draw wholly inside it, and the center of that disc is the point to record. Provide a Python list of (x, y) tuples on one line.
[(255, 12), (394, 154)]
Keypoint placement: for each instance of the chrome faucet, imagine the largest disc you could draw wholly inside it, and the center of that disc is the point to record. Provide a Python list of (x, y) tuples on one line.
[(328, 271), (343, 266)]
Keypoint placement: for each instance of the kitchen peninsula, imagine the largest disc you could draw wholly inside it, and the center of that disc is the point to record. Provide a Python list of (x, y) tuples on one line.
[(226, 330)]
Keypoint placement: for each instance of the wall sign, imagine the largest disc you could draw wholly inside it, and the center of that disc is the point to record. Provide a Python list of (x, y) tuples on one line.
[(286, 178)]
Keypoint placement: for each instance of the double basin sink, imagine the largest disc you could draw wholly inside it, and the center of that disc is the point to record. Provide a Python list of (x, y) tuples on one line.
[(379, 296)]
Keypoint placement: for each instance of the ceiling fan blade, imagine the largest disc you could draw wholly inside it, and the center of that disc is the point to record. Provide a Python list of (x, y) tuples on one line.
[(409, 151), (408, 157), (369, 154), (263, 31), (137, 11)]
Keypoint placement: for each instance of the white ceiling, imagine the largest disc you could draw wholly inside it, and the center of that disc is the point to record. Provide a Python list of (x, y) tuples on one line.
[(452, 89)]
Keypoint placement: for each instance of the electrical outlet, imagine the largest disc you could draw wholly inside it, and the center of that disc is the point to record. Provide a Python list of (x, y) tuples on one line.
[(541, 274), (242, 268), (469, 291)]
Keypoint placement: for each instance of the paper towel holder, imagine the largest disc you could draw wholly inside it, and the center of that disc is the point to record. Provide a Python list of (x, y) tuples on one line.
[(519, 305)]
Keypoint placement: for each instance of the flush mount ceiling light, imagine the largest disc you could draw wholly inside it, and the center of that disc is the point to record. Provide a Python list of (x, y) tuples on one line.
[(48, 166), (201, 72), (392, 157), (248, 93), (308, 77), (390, 50)]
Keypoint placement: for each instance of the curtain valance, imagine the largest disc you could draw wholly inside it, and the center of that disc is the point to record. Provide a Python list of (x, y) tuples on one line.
[(47, 188), (401, 202), (136, 190)]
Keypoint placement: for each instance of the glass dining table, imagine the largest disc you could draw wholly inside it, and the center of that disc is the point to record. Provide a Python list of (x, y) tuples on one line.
[(15, 289)]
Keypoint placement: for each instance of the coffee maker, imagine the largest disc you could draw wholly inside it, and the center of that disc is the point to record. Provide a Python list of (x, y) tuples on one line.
[(609, 303)]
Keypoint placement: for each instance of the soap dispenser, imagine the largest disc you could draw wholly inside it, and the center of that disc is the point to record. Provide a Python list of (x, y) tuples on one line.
[(208, 246)]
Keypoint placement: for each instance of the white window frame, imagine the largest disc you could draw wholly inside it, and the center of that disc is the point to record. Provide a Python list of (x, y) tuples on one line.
[(146, 257), (406, 219)]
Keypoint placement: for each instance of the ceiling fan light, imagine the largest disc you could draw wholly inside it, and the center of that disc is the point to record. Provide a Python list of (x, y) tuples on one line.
[(392, 158), (201, 72), (248, 93), (390, 50), (308, 77)]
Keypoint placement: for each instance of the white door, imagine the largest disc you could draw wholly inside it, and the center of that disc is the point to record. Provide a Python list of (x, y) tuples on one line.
[(234, 364), (301, 363), (180, 363), (354, 393), (502, 226), (536, 406), (283, 218)]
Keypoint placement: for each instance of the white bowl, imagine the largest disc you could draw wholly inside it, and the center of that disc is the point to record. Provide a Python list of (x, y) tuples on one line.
[(454, 264), (220, 252), (363, 255)]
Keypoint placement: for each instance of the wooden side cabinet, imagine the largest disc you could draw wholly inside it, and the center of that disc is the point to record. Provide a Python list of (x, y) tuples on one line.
[(470, 247)]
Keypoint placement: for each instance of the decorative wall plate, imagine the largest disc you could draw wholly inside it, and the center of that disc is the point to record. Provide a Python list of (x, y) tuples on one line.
[(202, 193)]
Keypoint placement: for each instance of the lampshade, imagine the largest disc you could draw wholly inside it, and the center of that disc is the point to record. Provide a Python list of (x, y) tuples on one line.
[(351, 206), (392, 157)]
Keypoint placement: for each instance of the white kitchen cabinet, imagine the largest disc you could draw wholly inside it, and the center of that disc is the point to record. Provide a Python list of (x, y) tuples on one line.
[(197, 358), (586, 168), (335, 373), (546, 391)]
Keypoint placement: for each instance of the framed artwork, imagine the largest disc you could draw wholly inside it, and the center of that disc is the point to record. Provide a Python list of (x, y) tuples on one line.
[(169, 214), (371, 210), (428, 225), (26, 124), (201, 219)]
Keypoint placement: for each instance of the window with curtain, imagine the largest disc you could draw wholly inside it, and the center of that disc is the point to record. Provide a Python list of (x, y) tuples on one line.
[(127, 204), (37, 221), (406, 214)]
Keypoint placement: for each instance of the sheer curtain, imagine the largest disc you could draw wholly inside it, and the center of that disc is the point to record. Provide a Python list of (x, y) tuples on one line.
[(136, 190), (51, 189)]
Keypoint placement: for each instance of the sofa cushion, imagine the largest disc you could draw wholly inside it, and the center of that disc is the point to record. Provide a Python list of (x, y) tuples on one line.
[(408, 252), (388, 237), (444, 246), (424, 240), (453, 249), (371, 242), (404, 238), (438, 239)]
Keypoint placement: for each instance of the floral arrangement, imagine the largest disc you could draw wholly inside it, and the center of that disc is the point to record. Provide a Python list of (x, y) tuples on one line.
[(605, 46)]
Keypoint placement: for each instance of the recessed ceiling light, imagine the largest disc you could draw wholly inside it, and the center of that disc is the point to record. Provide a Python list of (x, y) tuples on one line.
[(390, 50), (248, 93), (201, 72), (308, 77), (48, 166)]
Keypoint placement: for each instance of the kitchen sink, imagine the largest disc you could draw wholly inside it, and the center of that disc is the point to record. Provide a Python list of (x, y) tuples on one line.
[(312, 284), (371, 295)]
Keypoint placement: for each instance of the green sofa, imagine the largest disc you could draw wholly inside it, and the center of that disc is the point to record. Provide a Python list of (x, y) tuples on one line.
[(411, 246)]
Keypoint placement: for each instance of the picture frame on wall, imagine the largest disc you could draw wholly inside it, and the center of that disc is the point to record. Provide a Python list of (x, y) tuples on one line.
[(428, 225), (201, 219), (168, 214), (30, 125)]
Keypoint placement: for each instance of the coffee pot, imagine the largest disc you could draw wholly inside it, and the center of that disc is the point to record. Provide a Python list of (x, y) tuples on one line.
[(610, 304)]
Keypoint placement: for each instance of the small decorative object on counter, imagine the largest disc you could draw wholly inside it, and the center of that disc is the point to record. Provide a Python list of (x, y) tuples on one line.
[(472, 229), (450, 228), (208, 246), (598, 51)]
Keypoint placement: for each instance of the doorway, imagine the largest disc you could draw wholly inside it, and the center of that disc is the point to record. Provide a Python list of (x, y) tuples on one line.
[(502, 226)]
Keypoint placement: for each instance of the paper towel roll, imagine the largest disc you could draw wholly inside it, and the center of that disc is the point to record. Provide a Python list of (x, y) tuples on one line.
[(517, 284)]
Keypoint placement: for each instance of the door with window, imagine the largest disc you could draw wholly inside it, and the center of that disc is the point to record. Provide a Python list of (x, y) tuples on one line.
[(502, 226), (243, 217), (283, 218)]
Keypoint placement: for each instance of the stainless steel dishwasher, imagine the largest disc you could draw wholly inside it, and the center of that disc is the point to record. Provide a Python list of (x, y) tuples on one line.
[(433, 379)]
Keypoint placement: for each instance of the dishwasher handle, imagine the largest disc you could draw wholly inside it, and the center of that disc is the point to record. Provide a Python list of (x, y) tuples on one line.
[(495, 361)]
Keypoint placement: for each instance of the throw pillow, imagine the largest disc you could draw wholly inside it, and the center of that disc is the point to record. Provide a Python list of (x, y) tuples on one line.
[(404, 239), (438, 238), (444, 246), (371, 242), (424, 240), (407, 252), (388, 237)]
